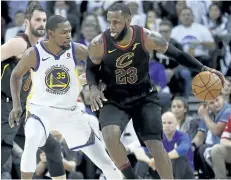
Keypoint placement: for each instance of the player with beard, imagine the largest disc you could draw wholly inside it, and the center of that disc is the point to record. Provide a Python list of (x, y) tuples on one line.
[(120, 57), (52, 102), (11, 53)]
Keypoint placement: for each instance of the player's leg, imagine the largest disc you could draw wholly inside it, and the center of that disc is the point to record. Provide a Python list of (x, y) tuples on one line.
[(52, 149), (101, 159), (35, 134), (147, 123), (113, 121)]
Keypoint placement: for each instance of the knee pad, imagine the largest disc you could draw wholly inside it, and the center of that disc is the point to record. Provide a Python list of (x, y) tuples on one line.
[(52, 149)]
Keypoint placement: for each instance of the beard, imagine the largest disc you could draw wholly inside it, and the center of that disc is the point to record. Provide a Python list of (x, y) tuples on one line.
[(65, 47), (36, 32), (121, 35)]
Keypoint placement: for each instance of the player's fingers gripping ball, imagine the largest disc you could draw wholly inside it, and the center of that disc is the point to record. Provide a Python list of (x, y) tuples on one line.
[(206, 86)]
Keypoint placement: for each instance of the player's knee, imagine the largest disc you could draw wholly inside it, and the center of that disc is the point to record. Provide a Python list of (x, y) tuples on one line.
[(155, 144), (111, 134)]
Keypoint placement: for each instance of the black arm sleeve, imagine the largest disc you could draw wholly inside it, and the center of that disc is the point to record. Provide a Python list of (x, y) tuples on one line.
[(184, 58), (92, 73)]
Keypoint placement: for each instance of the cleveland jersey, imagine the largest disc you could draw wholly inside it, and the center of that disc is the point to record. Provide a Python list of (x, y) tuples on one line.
[(55, 80), (7, 68), (125, 70)]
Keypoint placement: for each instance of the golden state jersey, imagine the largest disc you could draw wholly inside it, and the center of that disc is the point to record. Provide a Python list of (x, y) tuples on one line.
[(55, 80)]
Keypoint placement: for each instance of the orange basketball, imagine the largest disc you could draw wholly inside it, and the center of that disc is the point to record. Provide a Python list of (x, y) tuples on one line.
[(206, 86)]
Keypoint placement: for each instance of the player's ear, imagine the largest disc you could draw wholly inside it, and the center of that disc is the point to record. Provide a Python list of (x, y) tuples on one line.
[(26, 22), (129, 19), (50, 33)]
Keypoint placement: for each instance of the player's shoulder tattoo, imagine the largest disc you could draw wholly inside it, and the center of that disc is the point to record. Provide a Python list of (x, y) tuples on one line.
[(96, 47), (157, 40)]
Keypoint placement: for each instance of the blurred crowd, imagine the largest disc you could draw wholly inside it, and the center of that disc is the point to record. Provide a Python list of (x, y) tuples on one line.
[(200, 133)]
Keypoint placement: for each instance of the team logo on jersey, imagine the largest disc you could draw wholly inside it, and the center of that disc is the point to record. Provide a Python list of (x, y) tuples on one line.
[(68, 55), (57, 80), (124, 60), (135, 45)]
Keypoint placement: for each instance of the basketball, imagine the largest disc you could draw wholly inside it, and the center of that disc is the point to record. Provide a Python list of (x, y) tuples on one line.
[(206, 86)]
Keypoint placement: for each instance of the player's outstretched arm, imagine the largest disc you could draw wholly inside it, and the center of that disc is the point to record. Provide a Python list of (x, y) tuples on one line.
[(27, 62), (13, 47), (96, 53), (155, 41)]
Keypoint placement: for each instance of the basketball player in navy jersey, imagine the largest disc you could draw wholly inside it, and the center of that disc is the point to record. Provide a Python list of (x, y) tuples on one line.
[(11, 53), (120, 57), (52, 103)]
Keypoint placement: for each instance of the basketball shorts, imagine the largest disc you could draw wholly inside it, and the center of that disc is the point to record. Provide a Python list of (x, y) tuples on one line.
[(72, 124), (145, 113)]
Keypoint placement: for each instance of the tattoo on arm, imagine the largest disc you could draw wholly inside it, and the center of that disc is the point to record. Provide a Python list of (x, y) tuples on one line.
[(96, 50), (159, 43)]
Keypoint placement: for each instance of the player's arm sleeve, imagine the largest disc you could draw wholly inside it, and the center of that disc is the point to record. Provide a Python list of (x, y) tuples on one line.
[(184, 146), (96, 53), (92, 73), (155, 41), (184, 58)]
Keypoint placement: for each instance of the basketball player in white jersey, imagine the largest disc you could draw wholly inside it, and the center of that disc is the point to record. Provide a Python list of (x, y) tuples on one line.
[(52, 102)]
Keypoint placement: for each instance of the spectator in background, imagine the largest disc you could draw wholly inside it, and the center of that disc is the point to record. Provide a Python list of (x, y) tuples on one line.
[(66, 9), (226, 91), (92, 19), (152, 22), (172, 70), (186, 124), (195, 38), (157, 74), (18, 26), (70, 161), (178, 146), (88, 32), (180, 5), (165, 10), (214, 116), (221, 153), (218, 24), (199, 8), (137, 18), (3, 29)]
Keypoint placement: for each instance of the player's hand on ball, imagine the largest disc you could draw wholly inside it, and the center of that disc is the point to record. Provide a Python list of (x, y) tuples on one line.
[(96, 98), (203, 110), (15, 115), (221, 76)]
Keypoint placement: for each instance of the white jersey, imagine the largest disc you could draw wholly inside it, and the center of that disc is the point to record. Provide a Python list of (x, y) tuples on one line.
[(55, 80)]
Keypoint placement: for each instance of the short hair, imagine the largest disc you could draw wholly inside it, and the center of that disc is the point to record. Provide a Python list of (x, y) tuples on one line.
[(120, 7), (31, 8), (19, 12), (53, 21), (186, 8), (166, 22)]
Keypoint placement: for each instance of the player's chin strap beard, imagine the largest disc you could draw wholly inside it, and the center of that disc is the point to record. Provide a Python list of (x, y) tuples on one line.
[(122, 34)]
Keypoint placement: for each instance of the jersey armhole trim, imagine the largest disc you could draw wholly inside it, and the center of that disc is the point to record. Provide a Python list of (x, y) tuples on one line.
[(142, 39), (104, 45), (73, 53), (37, 58)]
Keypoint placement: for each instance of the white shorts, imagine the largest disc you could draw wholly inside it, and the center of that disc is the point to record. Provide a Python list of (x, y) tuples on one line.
[(72, 124)]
